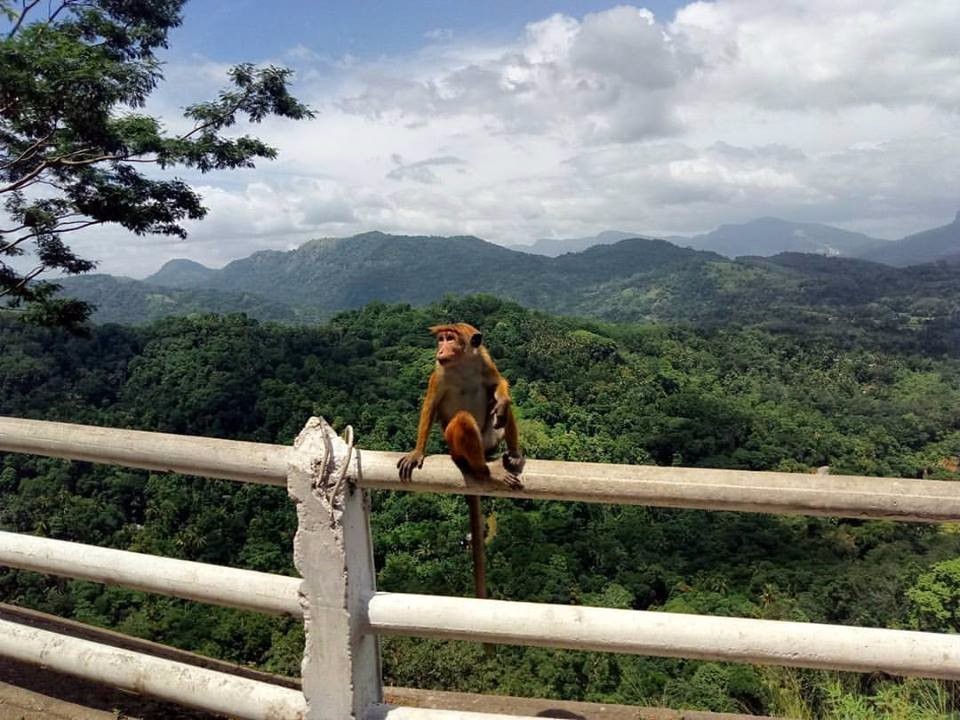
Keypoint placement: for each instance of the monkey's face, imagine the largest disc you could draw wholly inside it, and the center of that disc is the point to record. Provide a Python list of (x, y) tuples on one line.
[(450, 347)]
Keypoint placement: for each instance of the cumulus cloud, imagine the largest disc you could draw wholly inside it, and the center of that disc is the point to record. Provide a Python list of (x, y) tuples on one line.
[(422, 170), (799, 54), (607, 77), (834, 111)]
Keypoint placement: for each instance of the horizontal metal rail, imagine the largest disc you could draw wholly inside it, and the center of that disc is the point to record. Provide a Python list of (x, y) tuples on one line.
[(581, 628), (748, 491), (516, 623), (208, 457), (402, 712), (396, 712), (176, 682), (765, 642), (231, 587), (494, 707)]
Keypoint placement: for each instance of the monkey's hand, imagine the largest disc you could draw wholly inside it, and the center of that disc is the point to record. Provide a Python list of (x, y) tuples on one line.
[(413, 459), (500, 409), (514, 463)]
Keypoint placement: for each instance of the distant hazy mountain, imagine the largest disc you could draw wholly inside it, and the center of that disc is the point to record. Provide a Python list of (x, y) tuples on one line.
[(942, 243), (631, 280), (329, 275), (553, 247), (770, 236), (181, 273)]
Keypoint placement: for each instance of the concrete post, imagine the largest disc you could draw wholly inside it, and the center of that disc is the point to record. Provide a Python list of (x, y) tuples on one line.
[(334, 554)]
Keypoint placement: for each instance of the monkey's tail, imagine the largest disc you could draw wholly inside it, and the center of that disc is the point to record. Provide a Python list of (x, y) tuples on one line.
[(478, 529), (477, 535)]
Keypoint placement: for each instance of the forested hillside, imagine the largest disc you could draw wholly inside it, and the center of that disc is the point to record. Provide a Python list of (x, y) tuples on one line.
[(635, 280), (941, 243), (130, 302), (584, 390)]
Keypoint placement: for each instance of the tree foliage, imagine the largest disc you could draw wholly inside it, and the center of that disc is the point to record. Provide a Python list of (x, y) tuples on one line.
[(74, 144), (584, 391)]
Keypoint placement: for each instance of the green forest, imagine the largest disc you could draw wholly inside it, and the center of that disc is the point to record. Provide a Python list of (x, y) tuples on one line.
[(586, 390)]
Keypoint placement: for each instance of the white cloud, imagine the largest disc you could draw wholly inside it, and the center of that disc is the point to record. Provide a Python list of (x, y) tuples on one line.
[(422, 170), (607, 77), (830, 54), (438, 34), (822, 110)]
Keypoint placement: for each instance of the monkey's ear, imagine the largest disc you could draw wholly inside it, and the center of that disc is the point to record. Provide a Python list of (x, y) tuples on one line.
[(476, 340)]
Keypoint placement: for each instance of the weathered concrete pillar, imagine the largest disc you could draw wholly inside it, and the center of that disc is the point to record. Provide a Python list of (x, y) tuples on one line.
[(334, 554)]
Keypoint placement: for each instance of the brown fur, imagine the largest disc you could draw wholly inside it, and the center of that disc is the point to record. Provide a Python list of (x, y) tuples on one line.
[(471, 400)]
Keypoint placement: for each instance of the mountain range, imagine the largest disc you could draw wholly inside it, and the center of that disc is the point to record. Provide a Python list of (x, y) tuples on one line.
[(554, 247), (631, 280), (942, 243), (770, 236)]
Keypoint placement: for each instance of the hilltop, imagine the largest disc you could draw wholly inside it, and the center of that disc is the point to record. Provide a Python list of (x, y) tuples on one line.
[(637, 280), (181, 273)]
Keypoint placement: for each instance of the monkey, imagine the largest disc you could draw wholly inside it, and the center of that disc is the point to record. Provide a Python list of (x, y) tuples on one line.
[(471, 400)]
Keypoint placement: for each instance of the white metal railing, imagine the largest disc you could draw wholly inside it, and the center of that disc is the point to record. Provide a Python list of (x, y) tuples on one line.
[(177, 682), (637, 632), (344, 615), (742, 490), (215, 584)]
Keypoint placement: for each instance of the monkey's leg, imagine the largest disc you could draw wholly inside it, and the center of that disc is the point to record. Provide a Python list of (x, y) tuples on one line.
[(466, 449), (466, 445)]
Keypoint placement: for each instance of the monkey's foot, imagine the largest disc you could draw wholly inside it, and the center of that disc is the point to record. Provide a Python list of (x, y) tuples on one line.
[(514, 463), (504, 476)]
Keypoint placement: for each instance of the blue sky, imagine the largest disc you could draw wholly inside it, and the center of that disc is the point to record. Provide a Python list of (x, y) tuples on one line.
[(229, 30), (518, 120)]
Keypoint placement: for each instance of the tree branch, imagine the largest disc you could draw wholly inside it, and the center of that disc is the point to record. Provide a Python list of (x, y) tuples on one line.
[(87, 161), (7, 247), (23, 282), (27, 7), (64, 160), (53, 16), (215, 120), (36, 146), (26, 179), (59, 229), (77, 225), (52, 184)]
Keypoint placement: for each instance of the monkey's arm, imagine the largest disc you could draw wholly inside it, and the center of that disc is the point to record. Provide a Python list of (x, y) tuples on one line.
[(500, 408), (513, 460), (414, 458)]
